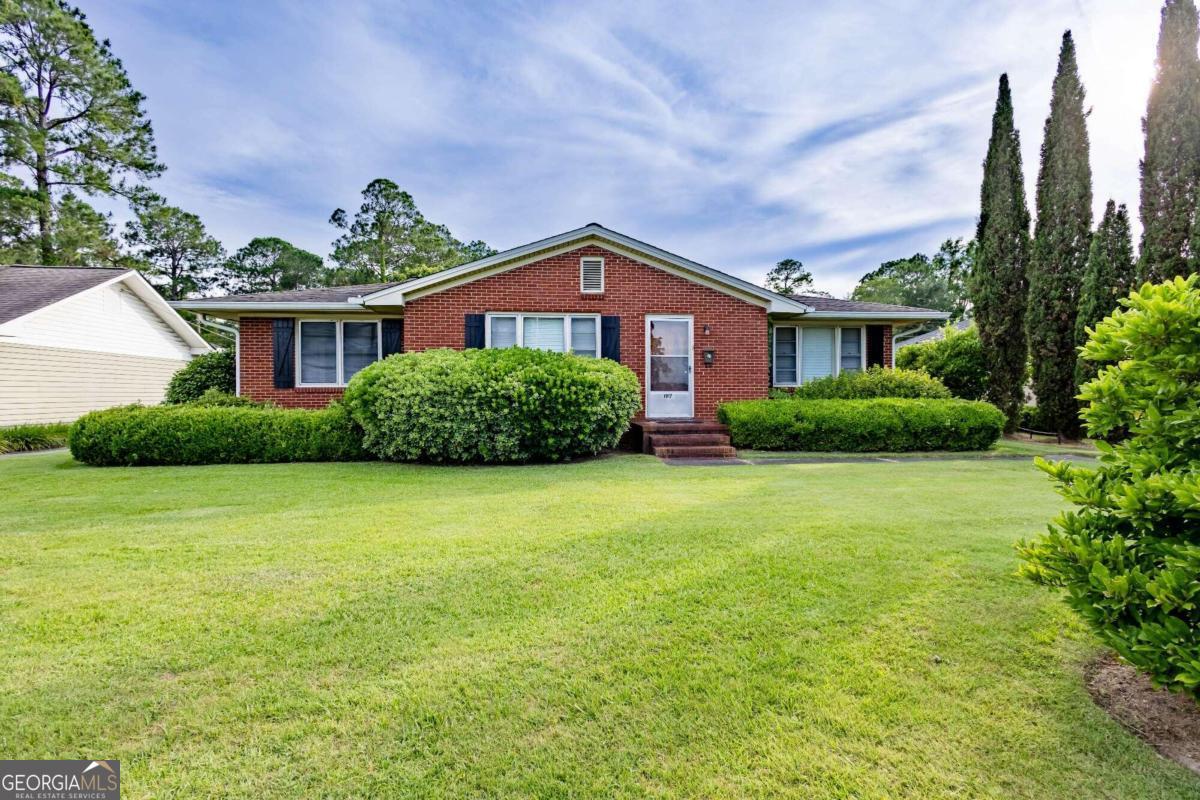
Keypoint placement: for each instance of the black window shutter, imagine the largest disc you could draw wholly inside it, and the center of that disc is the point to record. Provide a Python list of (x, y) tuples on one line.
[(610, 338), (393, 337), (473, 336), (875, 346), (284, 351)]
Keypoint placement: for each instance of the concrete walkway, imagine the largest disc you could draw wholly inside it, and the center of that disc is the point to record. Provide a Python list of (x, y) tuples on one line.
[(23, 453), (896, 459)]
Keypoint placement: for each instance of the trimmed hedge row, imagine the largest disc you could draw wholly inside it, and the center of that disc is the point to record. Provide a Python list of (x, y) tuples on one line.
[(891, 425), (875, 382), (193, 434), (492, 406)]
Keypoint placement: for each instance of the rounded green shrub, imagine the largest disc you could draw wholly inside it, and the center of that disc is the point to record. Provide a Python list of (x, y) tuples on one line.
[(957, 361), (1128, 554), (492, 406), (891, 425), (208, 371), (194, 434), (875, 382)]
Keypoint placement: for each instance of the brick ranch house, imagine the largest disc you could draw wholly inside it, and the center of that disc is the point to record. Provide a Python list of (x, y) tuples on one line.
[(702, 336)]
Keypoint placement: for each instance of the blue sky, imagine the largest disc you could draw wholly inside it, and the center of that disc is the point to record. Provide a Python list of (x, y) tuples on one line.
[(735, 134)]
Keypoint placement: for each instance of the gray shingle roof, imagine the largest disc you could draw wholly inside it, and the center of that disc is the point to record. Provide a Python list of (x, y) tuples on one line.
[(820, 303), (329, 294), (25, 289), (935, 335)]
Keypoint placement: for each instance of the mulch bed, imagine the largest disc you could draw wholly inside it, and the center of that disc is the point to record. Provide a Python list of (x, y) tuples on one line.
[(1168, 722)]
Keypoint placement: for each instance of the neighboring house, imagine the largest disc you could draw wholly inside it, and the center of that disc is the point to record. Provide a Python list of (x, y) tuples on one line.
[(935, 335), (74, 339), (703, 337)]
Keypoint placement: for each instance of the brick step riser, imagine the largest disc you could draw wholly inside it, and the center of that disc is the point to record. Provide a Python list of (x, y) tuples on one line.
[(688, 439), (676, 428), (695, 452)]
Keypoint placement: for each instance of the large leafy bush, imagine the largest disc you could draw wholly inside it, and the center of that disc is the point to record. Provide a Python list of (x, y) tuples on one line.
[(195, 434), (1128, 555), (875, 382), (209, 371), (957, 361), (879, 425), (492, 405)]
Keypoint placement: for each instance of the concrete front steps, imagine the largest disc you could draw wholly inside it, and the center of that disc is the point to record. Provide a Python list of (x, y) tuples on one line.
[(685, 439)]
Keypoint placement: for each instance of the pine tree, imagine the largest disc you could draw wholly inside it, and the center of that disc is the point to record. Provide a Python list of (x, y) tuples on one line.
[(1108, 278), (1061, 239), (998, 277), (69, 117), (1171, 166)]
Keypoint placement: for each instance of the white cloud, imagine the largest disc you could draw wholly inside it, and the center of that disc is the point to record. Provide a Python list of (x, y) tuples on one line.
[(736, 134)]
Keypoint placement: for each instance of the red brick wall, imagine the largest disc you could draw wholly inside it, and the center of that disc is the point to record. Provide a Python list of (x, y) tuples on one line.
[(887, 346), (257, 366), (631, 290)]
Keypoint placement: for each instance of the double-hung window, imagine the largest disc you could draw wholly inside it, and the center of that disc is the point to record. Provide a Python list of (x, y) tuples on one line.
[(559, 333), (805, 353), (330, 352)]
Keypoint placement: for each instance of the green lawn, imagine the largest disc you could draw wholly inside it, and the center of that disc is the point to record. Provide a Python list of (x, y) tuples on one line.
[(611, 628), (1006, 447)]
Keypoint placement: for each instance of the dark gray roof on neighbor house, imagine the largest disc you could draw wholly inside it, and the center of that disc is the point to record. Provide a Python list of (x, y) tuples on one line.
[(822, 303), (25, 289), (935, 335), (329, 294)]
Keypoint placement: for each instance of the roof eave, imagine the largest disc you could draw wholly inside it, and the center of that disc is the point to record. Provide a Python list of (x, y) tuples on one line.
[(150, 296), (210, 306), (395, 295), (914, 316)]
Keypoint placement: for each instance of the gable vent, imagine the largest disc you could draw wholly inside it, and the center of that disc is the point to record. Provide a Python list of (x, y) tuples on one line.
[(591, 275)]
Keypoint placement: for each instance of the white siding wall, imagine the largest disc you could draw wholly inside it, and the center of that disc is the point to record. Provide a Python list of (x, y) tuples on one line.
[(52, 384), (110, 319)]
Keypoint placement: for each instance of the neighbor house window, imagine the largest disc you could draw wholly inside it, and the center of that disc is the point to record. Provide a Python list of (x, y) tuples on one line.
[(330, 352), (559, 333), (804, 353), (591, 275)]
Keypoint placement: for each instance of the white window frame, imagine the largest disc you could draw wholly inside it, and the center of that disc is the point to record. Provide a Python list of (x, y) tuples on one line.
[(862, 347), (775, 355), (837, 355), (591, 291), (521, 316), (341, 380)]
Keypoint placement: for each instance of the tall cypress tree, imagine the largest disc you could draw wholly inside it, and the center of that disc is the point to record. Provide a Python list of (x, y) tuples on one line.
[(1171, 166), (1061, 239), (1108, 278), (998, 277)]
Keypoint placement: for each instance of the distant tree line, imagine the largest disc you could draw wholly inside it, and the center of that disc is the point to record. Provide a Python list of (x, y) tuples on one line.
[(72, 125), (1034, 296)]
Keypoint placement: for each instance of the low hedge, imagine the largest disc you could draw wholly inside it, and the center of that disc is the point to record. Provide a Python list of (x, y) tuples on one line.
[(875, 382), (891, 425), (35, 436), (193, 434), (492, 406)]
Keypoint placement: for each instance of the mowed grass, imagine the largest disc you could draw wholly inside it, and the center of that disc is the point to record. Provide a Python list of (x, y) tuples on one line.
[(611, 628)]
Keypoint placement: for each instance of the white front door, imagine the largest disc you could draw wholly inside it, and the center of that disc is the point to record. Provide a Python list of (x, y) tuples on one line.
[(669, 386)]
